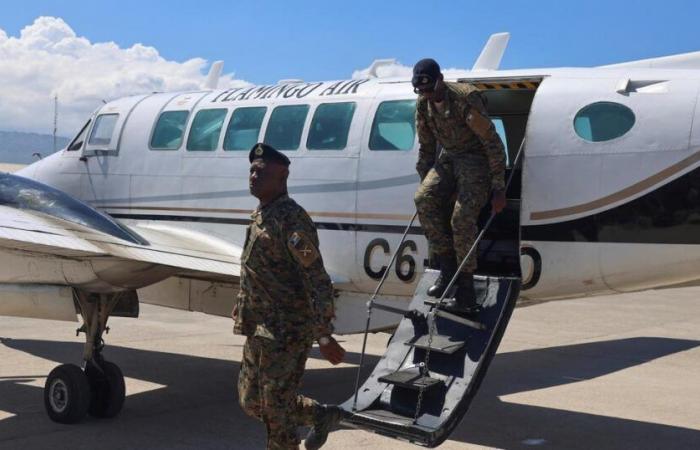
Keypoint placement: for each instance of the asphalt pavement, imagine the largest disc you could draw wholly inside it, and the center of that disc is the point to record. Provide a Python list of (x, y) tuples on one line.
[(612, 372)]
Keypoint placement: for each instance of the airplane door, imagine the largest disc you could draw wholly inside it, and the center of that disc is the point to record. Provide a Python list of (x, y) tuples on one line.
[(386, 183)]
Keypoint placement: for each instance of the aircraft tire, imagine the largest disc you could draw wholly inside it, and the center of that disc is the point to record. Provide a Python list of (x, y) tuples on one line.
[(67, 394), (107, 390)]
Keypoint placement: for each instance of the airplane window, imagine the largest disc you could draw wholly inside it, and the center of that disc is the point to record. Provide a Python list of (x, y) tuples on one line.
[(501, 130), (394, 126), (603, 121), (79, 140), (102, 131), (285, 126), (23, 193), (169, 130), (244, 128), (205, 130), (330, 126)]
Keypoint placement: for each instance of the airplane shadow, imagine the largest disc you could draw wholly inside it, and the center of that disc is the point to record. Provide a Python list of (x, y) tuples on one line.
[(196, 405)]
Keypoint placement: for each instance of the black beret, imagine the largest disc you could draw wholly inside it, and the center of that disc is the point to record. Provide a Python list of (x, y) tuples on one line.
[(267, 153), (425, 72)]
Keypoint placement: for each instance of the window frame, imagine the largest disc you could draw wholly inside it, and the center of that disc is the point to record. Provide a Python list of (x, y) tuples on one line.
[(86, 129), (504, 136), (348, 133), (374, 120), (185, 131), (227, 112), (618, 105), (93, 148), (301, 145), (263, 126)]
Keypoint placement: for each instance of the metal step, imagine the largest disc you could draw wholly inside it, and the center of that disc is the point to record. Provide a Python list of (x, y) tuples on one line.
[(411, 379), (440, 343), (463, 319), (459, 319)]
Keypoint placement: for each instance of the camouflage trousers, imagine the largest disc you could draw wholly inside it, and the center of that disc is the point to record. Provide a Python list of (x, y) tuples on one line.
[(462, 181), (268, 382)]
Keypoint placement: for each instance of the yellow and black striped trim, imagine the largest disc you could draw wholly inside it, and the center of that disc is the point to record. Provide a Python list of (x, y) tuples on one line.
[(498, 85)]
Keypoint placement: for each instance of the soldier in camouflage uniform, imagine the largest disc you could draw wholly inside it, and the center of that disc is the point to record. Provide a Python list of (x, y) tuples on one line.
[(285, 303), (468, 170)]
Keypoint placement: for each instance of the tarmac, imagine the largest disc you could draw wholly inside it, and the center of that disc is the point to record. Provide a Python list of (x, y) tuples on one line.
[(608, 372)]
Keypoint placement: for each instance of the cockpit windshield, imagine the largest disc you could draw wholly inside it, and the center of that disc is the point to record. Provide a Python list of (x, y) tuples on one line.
[(23, 193)]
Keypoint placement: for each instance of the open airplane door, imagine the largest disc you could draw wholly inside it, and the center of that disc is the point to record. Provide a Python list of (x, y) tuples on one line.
[(407, 399)]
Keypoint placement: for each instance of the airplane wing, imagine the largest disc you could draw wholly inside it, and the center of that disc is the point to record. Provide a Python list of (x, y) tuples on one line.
[(180, 250), (48, 238)]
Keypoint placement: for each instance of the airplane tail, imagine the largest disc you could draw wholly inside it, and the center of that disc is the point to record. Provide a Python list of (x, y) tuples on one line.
[(214, 74), (492, 53)]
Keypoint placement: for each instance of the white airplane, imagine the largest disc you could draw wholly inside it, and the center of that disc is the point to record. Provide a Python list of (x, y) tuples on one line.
[(606, 197)]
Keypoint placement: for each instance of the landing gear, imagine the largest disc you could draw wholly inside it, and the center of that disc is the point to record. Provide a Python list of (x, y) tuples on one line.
[(67, 394), (107, 389), (70, 392)]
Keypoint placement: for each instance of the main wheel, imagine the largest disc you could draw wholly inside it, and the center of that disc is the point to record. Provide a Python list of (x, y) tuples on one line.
[(108, 390), (67, 394)]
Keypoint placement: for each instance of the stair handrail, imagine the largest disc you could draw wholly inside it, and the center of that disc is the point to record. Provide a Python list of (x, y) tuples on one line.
[(370, 305)]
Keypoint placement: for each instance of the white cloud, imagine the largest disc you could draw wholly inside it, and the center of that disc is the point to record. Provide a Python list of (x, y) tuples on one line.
[(49, 58), (399, 70)]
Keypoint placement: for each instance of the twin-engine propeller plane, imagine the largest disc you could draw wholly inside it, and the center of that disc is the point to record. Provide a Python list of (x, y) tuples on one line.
[(149, 203)]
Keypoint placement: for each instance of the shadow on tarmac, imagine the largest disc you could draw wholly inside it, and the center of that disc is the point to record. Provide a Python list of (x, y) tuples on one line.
[(197, 407)]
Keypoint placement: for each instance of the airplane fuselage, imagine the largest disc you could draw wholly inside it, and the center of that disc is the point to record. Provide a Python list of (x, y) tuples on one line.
[(605, 199)]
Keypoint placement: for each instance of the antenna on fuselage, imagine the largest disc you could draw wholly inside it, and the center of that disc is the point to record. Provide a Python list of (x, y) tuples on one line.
[(377, 63), (214, 74)]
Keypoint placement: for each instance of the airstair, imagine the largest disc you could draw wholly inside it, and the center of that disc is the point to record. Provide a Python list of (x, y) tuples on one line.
[(434, 364)]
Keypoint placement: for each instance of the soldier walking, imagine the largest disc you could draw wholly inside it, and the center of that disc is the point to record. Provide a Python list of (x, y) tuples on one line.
[(285, 303), (470, 167)]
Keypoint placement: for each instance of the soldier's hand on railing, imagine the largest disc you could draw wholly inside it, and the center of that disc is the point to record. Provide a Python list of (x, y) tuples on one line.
[(331, 350), (498, 202), (234, 312)]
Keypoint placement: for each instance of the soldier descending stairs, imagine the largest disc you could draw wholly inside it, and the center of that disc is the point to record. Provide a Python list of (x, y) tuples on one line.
[(435, 362)]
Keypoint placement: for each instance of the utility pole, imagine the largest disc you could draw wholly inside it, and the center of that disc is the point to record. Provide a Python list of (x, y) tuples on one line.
[(55, 120)]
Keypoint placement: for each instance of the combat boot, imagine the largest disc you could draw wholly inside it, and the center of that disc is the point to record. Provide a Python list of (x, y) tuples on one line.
[(465, 297), (326, 418), (448, 267)]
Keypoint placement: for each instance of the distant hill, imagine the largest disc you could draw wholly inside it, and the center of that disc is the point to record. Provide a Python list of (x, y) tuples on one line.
[(17, 147)]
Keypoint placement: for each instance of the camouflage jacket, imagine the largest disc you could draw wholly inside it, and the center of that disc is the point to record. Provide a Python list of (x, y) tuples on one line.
[(463, 128), (285, 292)]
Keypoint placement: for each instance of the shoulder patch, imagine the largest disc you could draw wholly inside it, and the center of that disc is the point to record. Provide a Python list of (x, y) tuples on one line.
[(478, 123), (302, 248)]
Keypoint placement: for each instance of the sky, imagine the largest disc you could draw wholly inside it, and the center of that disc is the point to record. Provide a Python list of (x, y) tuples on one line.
[(85, 52)]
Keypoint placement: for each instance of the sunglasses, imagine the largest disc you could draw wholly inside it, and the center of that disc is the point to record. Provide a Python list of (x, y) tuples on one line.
[(426, 89)]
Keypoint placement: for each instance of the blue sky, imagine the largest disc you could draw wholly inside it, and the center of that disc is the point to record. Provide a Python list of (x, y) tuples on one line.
[(264, 41)]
